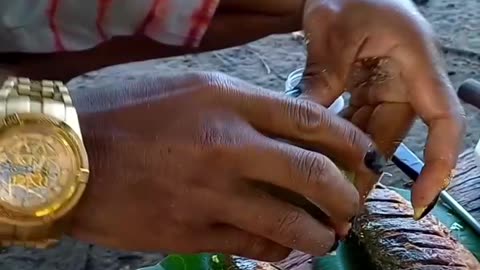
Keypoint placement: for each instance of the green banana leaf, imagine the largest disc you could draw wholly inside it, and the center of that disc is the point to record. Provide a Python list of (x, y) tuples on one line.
[(204, 261), (349, 256)]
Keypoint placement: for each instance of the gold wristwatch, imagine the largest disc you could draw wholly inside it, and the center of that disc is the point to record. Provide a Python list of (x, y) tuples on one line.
[(43, 162)]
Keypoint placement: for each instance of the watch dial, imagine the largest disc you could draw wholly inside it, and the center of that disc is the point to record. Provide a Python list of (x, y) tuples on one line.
[(35, 170)]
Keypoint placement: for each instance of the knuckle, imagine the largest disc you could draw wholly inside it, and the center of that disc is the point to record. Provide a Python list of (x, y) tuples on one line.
[(220, 88), (215, 81), (210, 137), (221, 145), (316, 170), (307, 115), (208, 84), (311, 166), (287, 224), (198, 79), (205, 78), (354, 137), (351, 138), (212, 143)]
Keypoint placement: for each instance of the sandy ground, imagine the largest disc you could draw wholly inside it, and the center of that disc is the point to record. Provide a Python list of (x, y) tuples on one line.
[(267, 63)]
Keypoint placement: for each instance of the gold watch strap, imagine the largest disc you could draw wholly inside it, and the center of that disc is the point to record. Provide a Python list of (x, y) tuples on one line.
[(31, 237), (22, 95)]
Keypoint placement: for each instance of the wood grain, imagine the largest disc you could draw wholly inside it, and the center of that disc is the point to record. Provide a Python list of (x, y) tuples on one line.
[(465, 186)]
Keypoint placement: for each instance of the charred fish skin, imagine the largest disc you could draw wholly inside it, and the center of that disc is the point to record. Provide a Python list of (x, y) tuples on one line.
[(395, 241)]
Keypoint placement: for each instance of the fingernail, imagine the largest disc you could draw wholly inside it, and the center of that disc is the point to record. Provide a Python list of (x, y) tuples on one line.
[(419, 213), (448, 179), (374, 161)]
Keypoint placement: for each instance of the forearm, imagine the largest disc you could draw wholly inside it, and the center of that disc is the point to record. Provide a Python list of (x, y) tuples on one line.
[(241, 21), (235, 22)]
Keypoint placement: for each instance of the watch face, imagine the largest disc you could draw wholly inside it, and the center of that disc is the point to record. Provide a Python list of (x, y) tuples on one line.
[(38, 169)]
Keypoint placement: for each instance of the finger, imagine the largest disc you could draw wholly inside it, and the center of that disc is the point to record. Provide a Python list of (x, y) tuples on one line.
[(387, 135), (361, 117), (328, 63), (442, 149), (366, 180), (230, 240), (282, 223), (341, 229), (434, 100), (308, 124), (304, 172)]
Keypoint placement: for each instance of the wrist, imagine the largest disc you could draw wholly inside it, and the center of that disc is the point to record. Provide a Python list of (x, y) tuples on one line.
[(40, 124), (239, 22)]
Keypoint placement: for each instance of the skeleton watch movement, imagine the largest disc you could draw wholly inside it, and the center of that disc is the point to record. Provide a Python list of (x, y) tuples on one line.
[(43, 162)]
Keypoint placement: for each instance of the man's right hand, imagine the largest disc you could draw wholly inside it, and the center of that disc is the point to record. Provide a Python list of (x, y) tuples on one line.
[(176, 164)]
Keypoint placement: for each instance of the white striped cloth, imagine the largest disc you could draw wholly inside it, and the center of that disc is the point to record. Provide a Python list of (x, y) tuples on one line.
[(39, 26)]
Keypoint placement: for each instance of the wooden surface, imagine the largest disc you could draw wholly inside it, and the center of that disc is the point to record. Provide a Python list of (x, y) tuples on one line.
[(465, 188)]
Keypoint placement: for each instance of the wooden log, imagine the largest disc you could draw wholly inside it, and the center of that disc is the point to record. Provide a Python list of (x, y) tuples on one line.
[(465, 186)]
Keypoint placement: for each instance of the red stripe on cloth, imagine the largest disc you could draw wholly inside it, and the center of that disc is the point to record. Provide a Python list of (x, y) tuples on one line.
[(157, 24), (199, 21), (103, 7), (152, 13), (51, 13)]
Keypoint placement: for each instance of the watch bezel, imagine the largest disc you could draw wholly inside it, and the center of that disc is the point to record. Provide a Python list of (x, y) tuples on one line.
[(78, 185)]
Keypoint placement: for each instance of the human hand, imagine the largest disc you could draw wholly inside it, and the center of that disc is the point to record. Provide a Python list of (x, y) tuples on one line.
[(178, 165), (383, 52)]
